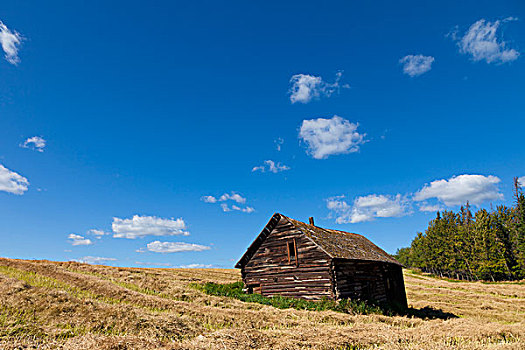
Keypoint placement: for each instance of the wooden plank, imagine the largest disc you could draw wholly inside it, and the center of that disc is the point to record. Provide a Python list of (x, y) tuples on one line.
[(295, 249), (288, 250), (273, 267)]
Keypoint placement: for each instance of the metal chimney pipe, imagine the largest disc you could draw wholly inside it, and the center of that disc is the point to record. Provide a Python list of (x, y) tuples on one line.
[(311, 219)]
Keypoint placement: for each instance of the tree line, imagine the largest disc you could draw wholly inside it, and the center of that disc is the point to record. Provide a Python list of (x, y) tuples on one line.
[(486, 245)]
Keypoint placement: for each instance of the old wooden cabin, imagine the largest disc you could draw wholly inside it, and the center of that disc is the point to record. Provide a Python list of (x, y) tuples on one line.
[(295, 259)]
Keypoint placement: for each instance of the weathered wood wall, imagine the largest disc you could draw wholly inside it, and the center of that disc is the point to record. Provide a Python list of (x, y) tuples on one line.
[(313, 274), (370, 280), (269, 271)]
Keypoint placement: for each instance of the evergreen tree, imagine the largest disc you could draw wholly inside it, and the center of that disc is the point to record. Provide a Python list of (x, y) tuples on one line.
[(519, 234), (484, 245)]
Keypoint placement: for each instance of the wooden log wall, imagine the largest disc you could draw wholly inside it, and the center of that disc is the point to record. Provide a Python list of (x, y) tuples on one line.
[(369, 280), (272, 271)]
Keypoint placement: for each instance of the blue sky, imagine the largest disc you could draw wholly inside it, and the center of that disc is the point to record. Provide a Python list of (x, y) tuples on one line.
[(176, 129)]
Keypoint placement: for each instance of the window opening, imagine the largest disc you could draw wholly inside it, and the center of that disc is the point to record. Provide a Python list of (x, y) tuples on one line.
[(292, 251)]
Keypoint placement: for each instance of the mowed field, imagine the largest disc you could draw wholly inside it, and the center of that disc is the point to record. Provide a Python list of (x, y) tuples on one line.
[(70, 305)]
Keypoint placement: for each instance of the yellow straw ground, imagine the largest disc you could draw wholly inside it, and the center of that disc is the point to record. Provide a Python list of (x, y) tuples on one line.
[(69, 305)]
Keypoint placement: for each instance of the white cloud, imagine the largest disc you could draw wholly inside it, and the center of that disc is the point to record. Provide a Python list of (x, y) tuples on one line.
[(278, 143), (12, 182), (93, 260), (78, 240), (98, 232), (196, 266), (307, 87), (36, 143), (367, 208), (481, 43), (234, 197), (326, 137), (175, 247), (10, 41), (244, 210), (226, 208), (225, 197), (430, 207), (229, 197), (521, 180), (152, 264), (141, 226), (459, 189), (415, 65), (209, 199), (271, 166)]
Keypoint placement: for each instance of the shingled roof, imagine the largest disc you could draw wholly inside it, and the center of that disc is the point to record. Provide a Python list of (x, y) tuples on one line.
[(336, 244)]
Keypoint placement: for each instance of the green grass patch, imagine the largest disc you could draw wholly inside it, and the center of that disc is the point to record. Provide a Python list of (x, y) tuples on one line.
[(37, 280), (235, 290), (19, 323)]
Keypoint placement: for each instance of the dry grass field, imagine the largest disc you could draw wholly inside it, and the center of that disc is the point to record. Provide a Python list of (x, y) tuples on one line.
[(69, 305)]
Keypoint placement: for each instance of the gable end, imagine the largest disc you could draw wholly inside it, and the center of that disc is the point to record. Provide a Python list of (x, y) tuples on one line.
[(258, 241)]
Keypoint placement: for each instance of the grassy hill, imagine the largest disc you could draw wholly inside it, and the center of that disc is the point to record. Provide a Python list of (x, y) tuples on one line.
[(77, 306)]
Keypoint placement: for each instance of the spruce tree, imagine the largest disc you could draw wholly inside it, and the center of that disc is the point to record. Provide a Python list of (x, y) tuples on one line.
[(486, 245), (519, 238)]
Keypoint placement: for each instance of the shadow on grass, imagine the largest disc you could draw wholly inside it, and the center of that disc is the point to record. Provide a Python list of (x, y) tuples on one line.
[(428, 313)]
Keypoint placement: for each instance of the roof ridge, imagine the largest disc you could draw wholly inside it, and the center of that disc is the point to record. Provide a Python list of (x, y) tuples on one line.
[(353, 246), (336, 243), (323, 228)]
